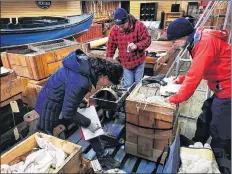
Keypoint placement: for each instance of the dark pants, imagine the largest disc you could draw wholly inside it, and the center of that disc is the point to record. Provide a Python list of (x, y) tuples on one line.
[(215, 121), (97, 146), (220, 127)]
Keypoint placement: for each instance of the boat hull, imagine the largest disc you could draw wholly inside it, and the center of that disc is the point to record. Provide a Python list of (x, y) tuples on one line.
[(15, 39)]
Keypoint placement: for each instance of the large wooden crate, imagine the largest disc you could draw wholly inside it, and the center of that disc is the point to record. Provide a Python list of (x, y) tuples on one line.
[(94, 32), (143, 142), (32, 89), (162, 64), (11, 87), (38, 61), (71, 164)]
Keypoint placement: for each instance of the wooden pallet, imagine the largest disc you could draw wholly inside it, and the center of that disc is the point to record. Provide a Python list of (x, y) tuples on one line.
[(129, 163)]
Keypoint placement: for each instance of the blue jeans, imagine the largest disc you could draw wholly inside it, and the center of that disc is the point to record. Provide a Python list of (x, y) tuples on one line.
[(133, 75)]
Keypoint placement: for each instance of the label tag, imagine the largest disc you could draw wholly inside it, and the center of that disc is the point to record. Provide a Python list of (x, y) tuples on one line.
[(16, 133), (14, 106), (96, 166)]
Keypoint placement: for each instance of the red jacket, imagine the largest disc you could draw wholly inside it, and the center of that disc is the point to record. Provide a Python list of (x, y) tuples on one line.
[(212, 62), (138, 35)]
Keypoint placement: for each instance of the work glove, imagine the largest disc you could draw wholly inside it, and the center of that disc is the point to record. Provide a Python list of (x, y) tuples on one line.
[(179, 79), (93, 127), (84, 103)]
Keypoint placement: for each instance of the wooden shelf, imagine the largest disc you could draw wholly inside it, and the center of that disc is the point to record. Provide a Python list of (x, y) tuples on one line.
[(170, 17)]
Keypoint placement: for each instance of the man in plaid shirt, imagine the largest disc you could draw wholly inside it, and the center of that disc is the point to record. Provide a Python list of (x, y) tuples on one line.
[(131, 38)]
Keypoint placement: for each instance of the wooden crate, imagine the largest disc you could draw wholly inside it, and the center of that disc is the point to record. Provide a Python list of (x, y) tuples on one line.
[(10, 87), (71, 164), (94, 32), (35, 61), (32, 89), (162, 64), (148, 143)]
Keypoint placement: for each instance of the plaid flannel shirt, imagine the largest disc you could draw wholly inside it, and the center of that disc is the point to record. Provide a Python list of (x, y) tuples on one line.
[(138, 35)]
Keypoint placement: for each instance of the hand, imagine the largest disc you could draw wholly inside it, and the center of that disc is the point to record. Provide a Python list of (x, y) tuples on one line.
[(173, 99), (179, 79), (132, 46), (84, 103), (93, 127)]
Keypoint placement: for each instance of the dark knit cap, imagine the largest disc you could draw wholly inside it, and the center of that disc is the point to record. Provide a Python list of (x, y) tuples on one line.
[(179, 28), (120, 16)]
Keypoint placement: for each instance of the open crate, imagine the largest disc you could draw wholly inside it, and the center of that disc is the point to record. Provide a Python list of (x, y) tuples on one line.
[(149, 126), (71, 164), (40, 60)]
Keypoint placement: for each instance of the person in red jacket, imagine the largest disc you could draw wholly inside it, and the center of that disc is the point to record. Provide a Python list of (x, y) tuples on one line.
[(211, 55), (131, 38)]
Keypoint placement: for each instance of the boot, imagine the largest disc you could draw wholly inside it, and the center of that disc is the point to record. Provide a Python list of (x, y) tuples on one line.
[(107, 161)]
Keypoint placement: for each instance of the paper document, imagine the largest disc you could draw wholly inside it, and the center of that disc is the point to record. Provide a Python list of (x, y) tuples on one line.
[(90, 113)]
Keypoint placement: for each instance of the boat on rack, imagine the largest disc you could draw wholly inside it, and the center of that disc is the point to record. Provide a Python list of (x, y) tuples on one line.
[(40, 29)]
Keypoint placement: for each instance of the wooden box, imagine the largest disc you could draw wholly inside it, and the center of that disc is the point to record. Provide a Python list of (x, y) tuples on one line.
[(162, 64), (11, 86), (32, 89), (71, 164), (38, 61), (143, 142)]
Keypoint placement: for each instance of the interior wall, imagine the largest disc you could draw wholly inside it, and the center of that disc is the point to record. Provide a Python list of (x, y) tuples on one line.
[(30, 9), (162, 6)]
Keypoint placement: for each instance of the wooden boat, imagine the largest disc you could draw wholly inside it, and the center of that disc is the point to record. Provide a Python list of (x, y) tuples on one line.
[(39, 29)]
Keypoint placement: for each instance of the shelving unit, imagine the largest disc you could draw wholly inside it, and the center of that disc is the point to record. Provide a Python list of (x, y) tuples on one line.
[(171, 16), (148, 11)]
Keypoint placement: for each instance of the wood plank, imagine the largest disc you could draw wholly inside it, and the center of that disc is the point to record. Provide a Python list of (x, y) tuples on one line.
[(160, 169), (30, 9), (130, 164), (5, 60), (6, 102), (61, 53), (52, 67), (9, 77), (142, 166), (11, 88), (146, 167), (120, 155), (90, 155), (84, 144), (150, 167), (162, 6), (10, 133), (75, 137), (131, 148)]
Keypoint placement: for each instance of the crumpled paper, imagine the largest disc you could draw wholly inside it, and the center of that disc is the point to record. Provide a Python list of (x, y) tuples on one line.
[(39, 161), (198, 159)]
